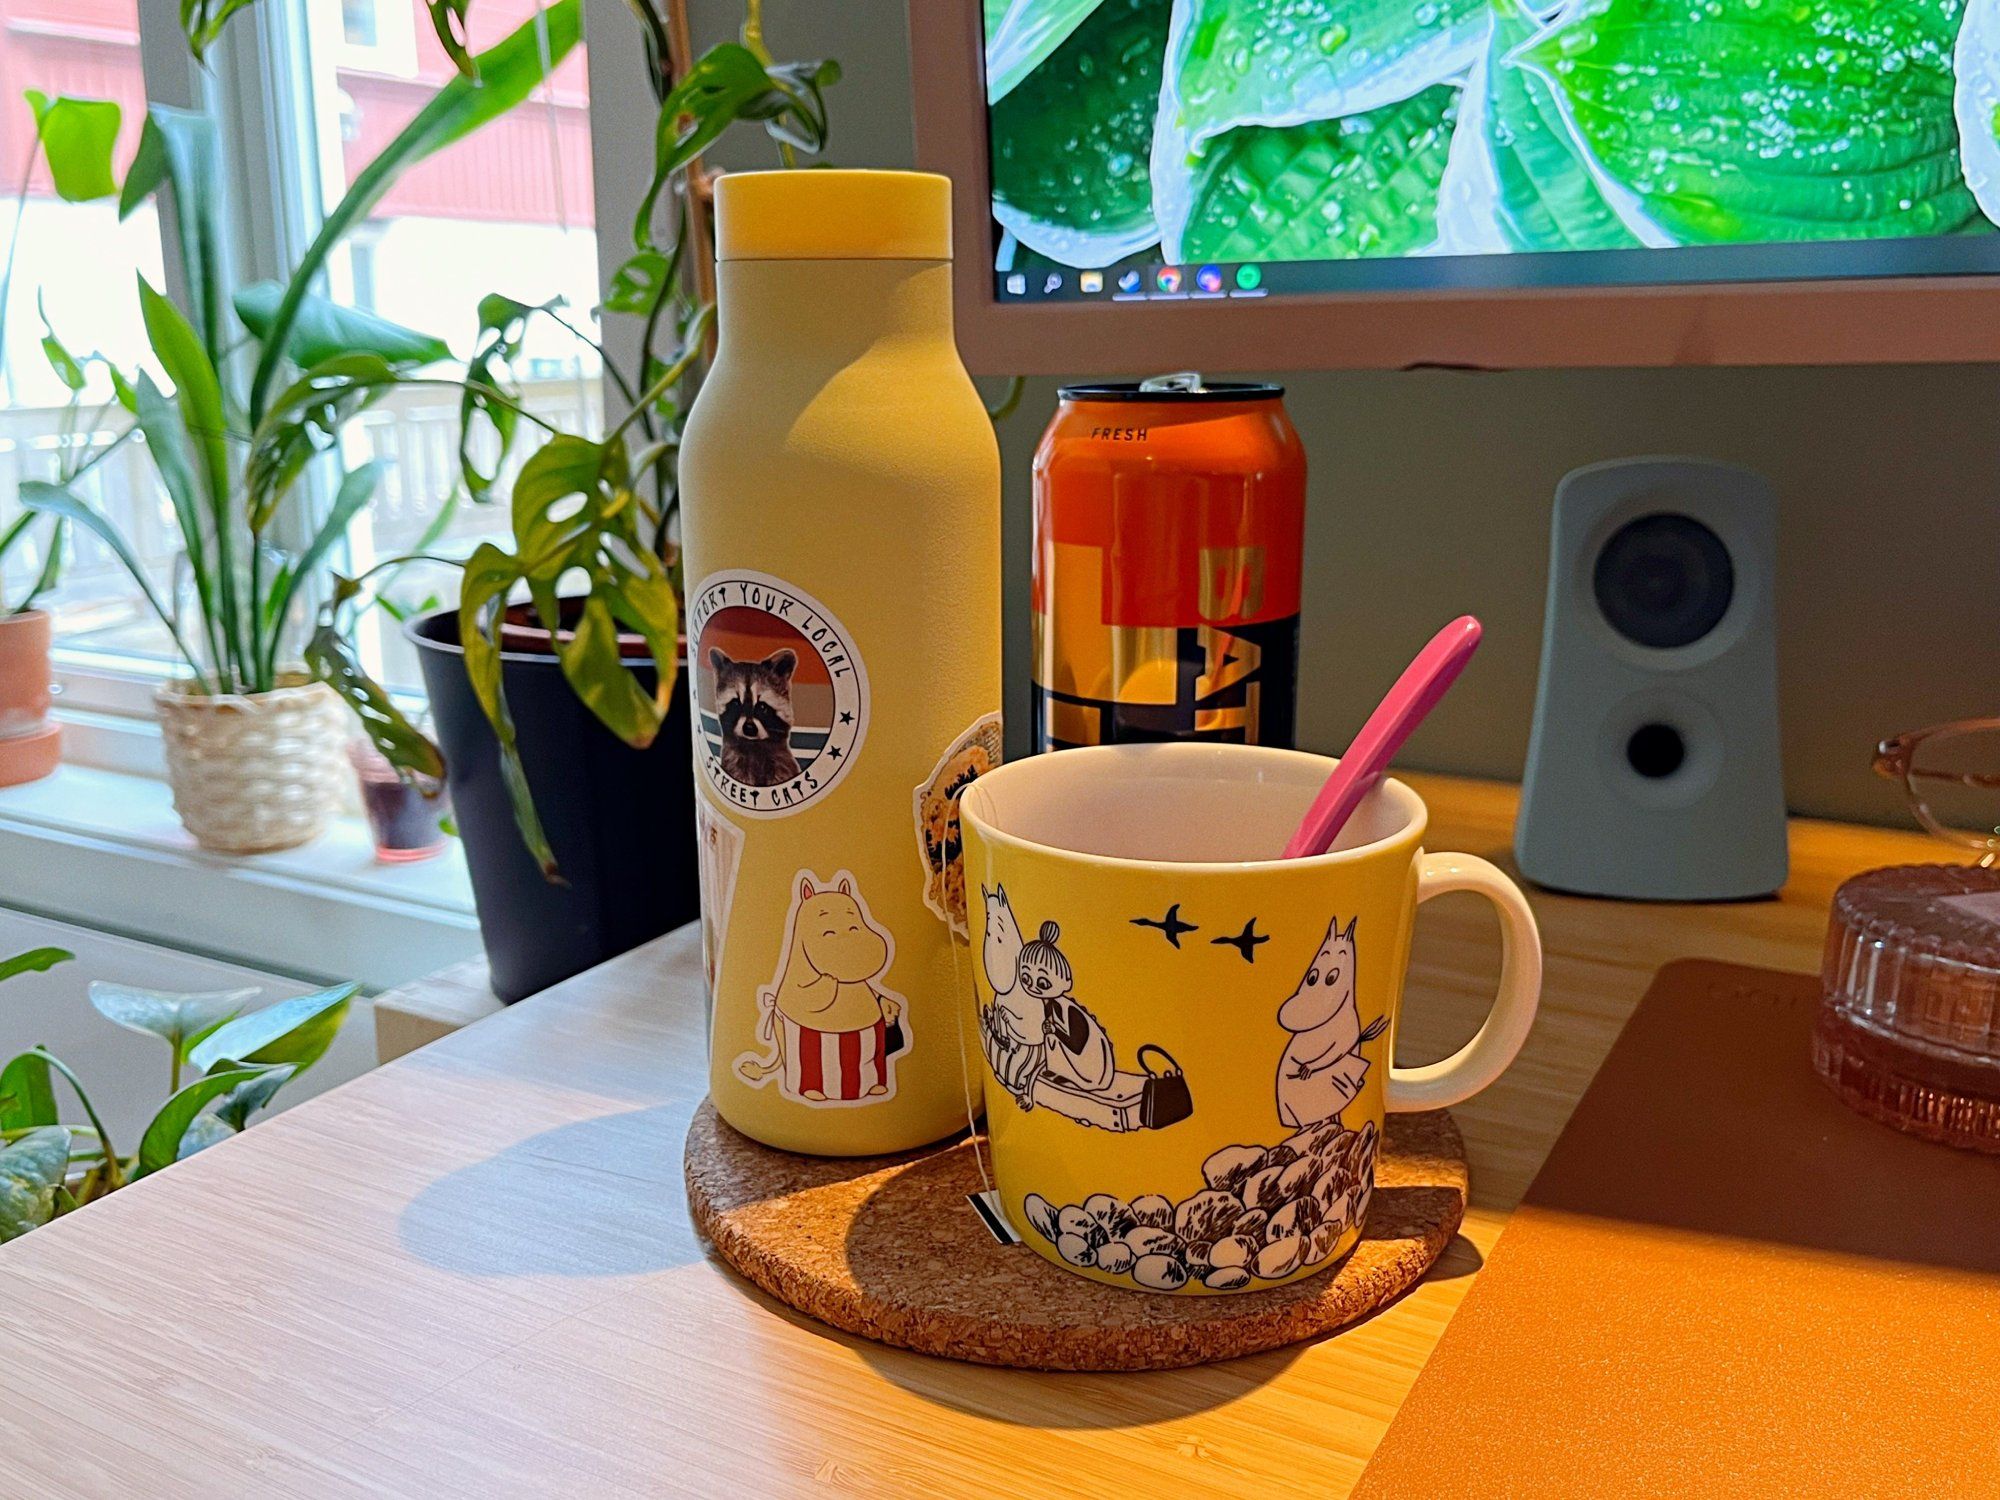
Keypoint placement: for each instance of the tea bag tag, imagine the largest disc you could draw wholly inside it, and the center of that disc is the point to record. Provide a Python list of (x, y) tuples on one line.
[(987, 1206)]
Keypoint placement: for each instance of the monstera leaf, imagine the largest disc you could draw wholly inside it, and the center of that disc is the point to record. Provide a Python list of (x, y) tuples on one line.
[(1072, 142), (1742, 121), (1021, 34), (1362, 185), (1520, 178), (1977, 102)]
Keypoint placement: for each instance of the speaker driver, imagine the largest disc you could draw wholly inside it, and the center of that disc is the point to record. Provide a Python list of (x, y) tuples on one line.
[(1664, 580)]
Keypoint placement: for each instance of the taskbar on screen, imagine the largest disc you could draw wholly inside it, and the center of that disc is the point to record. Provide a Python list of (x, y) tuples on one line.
[(1217, 281)]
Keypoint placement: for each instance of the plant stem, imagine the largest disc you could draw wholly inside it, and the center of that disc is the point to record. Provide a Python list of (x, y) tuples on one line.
[(670, 377), (610, 369), (113, 1174), (753, 31)]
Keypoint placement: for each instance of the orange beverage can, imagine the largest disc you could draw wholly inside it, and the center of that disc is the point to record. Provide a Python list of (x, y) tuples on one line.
[(1169, 535)]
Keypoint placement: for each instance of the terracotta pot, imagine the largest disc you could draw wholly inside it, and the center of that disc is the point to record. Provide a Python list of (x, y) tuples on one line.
[(30, 745), (257, 771)]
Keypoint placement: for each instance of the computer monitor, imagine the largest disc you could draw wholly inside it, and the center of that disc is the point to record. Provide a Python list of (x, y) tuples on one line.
[(1262, 184)]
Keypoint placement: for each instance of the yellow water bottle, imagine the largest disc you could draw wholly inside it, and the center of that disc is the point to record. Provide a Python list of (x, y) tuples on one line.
[(841, 524)]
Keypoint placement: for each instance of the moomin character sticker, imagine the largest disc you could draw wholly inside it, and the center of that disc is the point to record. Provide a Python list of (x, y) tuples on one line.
[(831, 1029), (1047, 1050), (1322, 1068)]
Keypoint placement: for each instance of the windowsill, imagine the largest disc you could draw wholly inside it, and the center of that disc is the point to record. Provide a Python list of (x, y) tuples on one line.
[(106, 850)]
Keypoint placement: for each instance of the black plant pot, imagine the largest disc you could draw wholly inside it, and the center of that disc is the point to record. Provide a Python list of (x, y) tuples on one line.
[(621, 821)]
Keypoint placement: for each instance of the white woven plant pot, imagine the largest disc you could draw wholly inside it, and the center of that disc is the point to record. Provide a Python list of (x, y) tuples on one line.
[(257, 771)]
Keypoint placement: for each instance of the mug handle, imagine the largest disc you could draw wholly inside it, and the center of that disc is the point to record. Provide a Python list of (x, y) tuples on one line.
[(1486, 1056)]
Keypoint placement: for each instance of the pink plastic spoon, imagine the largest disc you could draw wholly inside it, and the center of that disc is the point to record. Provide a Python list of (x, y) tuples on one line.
[(1415, 694)]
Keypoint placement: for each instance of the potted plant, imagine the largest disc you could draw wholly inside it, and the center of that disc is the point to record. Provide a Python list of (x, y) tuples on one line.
[(553, 684), (49, 1168), (30, 745), (254, 743)]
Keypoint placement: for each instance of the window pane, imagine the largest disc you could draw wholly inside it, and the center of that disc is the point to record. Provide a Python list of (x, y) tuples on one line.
[(79, 261), (508, 209)]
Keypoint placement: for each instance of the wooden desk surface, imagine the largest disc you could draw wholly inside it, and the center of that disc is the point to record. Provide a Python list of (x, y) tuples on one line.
[(470, 1273)]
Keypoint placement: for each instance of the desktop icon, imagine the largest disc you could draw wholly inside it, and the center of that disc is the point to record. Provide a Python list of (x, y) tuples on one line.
[(1249, 278), (1052, 283), (1090, 281), (1168, 278), (1209, 278), (1131, 281), (1017, 285)]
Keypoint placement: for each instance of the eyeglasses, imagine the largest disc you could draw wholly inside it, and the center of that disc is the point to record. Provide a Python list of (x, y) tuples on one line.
[(1950, 774)]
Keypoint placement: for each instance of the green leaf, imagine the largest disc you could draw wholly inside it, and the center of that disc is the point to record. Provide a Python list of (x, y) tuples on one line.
[(357, 488), (305, 421), (240, 1103), (1977, 102), (1248, 62), (503, 324), (182, 150), (198, 395), (1364, 185), (323, 330), (294, 1031), (166, 443), (637, 286), (27, 1094), (203, 1131), (507, 74), (333, 661), (1737, 122), (68, 371), (161, 1144), (709, 98), (176, 1019), (51, 499), (1021, 34), (1072, 143), (597, 673), (490, 574), (77, 138), (1520, 178), (31, 1174), (202, 22), (448, 20), (34, 961)]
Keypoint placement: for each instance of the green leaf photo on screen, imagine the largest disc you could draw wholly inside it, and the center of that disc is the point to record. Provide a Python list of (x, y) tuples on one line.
[(1328, 130)]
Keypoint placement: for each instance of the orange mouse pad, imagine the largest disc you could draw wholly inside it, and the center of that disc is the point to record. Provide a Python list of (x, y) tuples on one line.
[(1723, 1283)]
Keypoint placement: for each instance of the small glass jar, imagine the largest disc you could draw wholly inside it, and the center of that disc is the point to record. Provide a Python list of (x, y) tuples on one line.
[(406, 813), (1908, 1030)]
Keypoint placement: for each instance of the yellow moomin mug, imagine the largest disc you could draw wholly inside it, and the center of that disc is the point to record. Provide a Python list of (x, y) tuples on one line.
[(1187, 1040)]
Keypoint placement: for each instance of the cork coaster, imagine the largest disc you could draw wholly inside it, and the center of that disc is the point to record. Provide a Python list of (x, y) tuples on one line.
[(888, 1248)]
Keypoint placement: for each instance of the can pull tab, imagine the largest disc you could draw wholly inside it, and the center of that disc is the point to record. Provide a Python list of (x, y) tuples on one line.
[(1180, 380)]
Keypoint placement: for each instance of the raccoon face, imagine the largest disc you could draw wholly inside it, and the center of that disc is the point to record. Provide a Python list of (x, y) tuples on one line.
[(753, 699)]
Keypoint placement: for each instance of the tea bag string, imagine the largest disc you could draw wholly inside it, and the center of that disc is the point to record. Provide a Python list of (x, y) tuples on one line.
[(963, 994)]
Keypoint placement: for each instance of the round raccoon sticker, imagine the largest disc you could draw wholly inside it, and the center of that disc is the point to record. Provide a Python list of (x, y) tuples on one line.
[(780, 694)]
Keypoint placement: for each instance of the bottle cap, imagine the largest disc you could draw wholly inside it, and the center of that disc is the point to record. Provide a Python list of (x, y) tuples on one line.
[(814, 214)]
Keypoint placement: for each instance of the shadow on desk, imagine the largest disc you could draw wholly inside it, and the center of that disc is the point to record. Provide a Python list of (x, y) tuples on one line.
[(581, 1200)]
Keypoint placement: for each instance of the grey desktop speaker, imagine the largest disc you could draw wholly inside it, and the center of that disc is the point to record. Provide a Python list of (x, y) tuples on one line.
[(1653, 769)]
